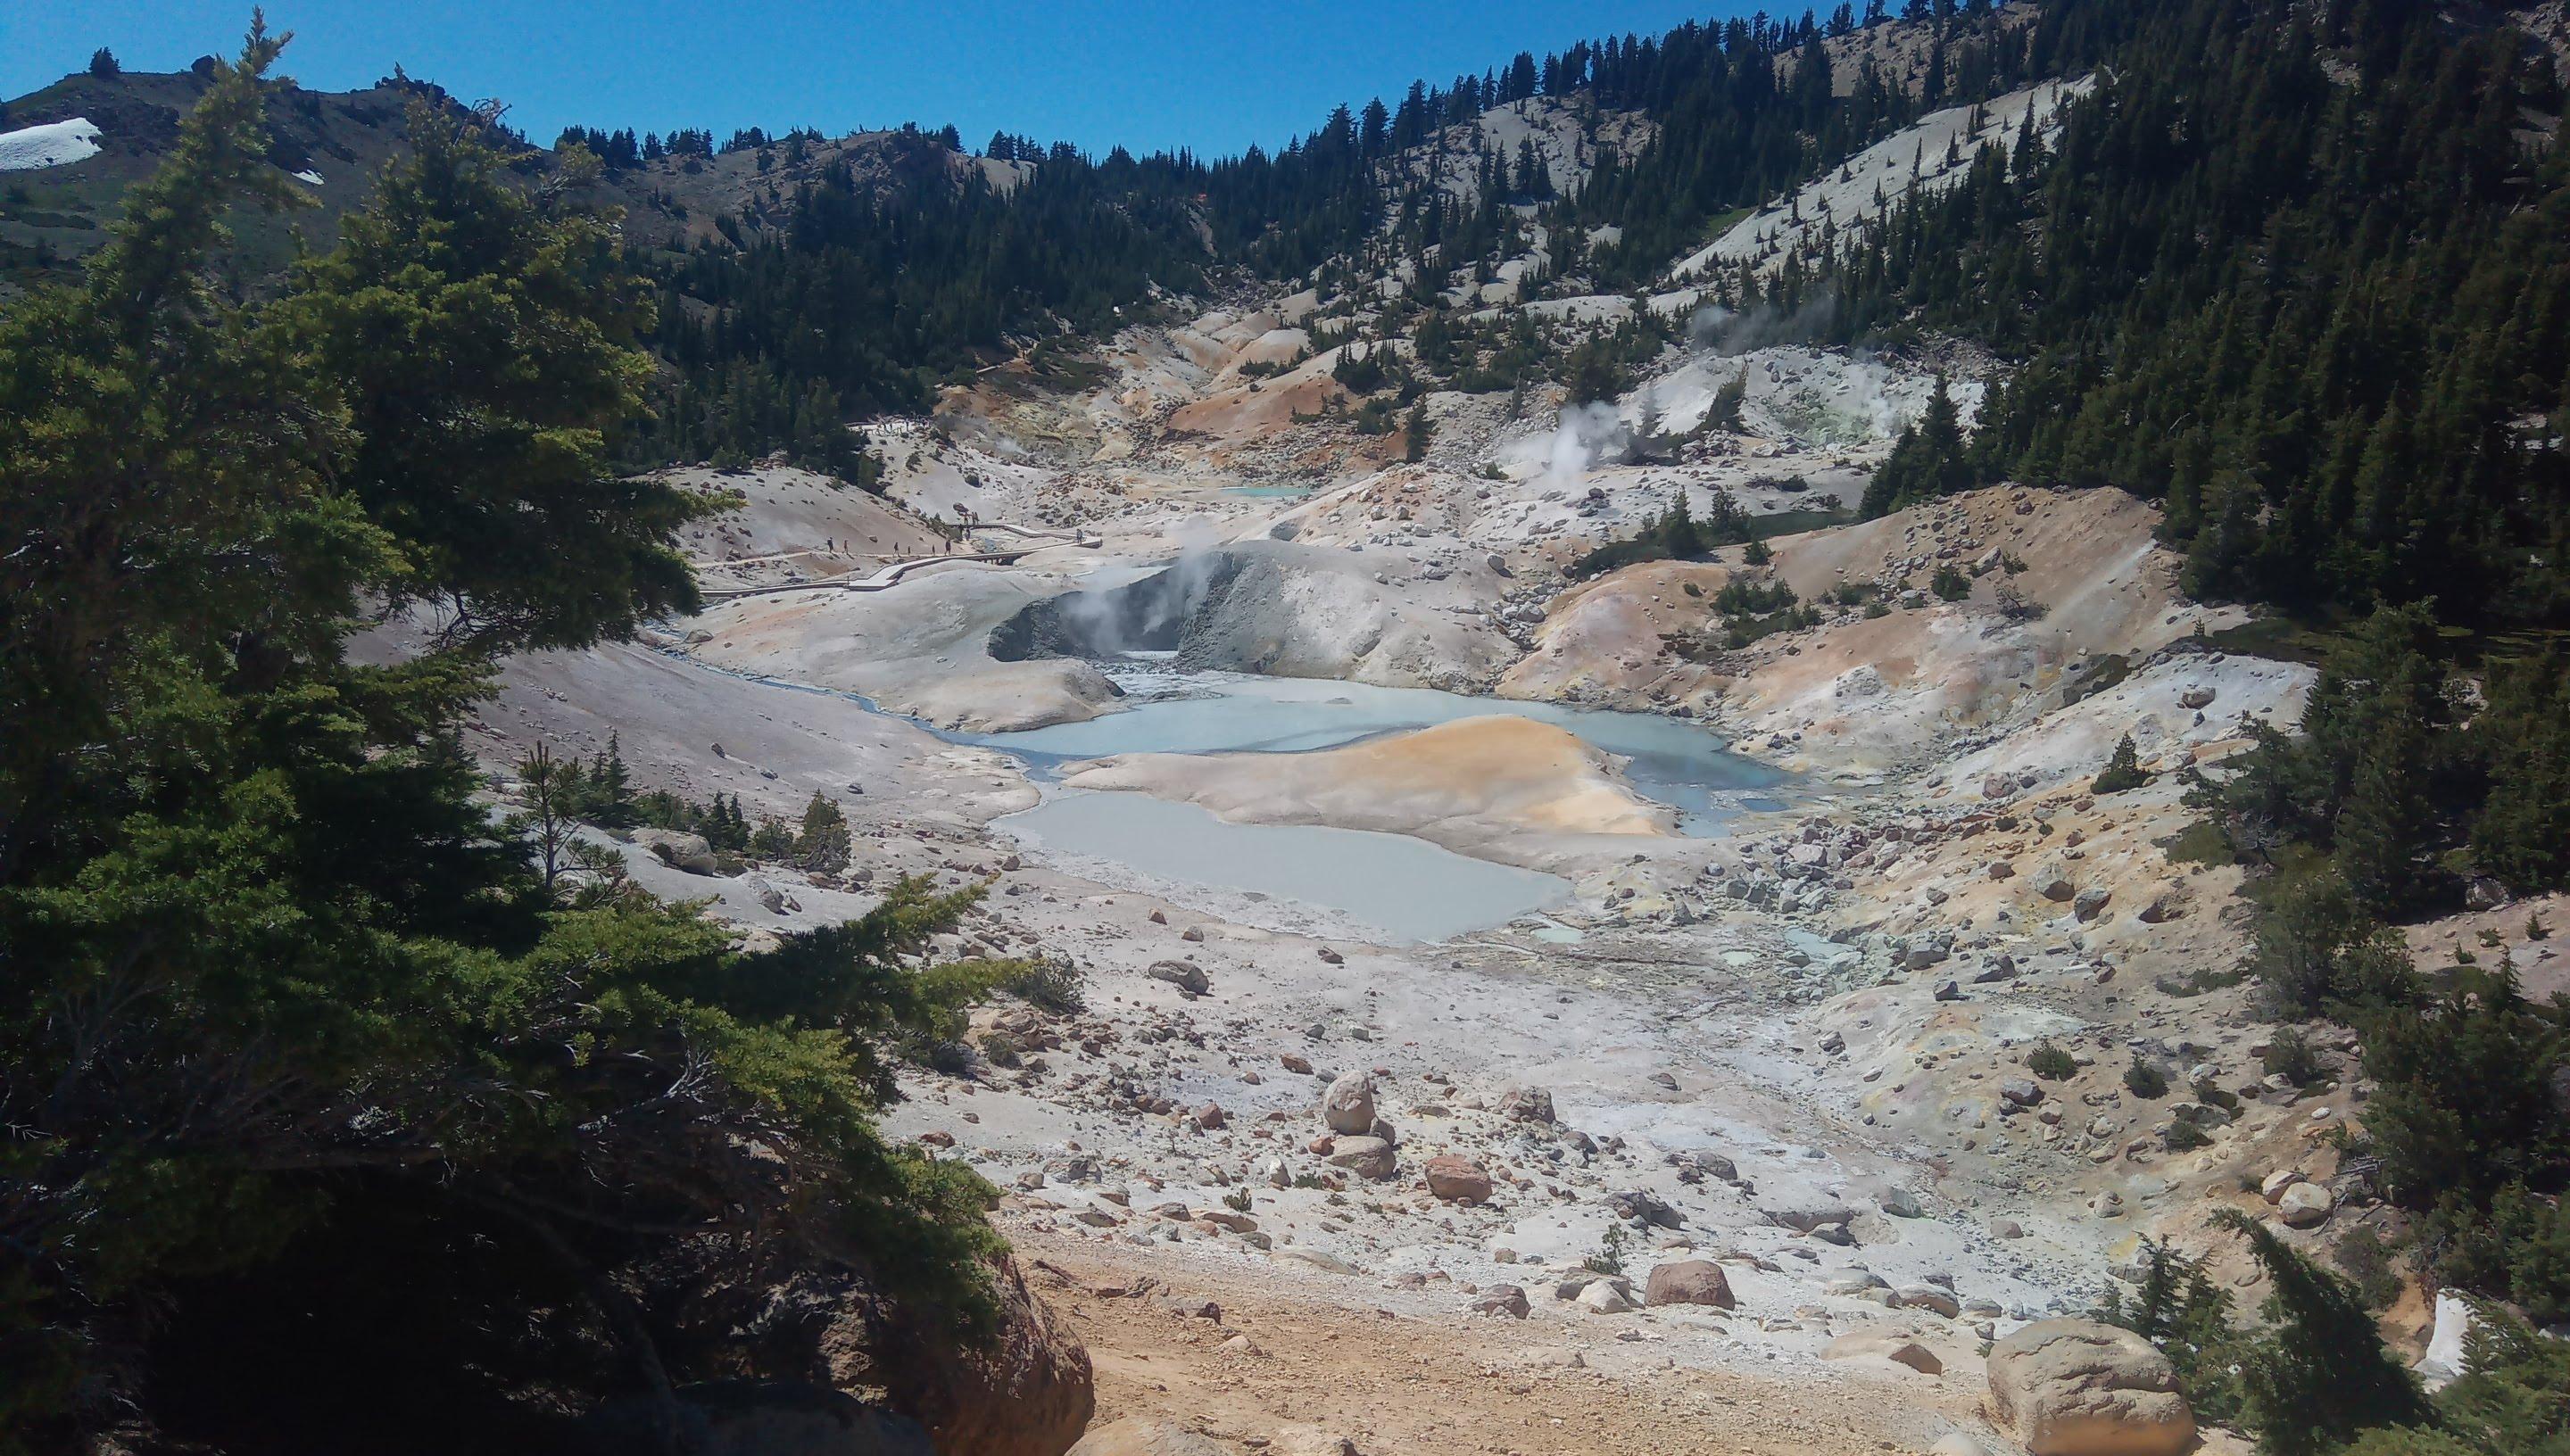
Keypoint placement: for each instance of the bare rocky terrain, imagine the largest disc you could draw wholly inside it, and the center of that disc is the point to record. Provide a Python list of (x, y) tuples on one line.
[(1790, 1052)]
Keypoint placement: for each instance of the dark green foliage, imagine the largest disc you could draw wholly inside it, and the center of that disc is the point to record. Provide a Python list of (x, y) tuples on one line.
[(1724, 412), (2317, 1375), (2290, 272), (2145, 1080), (2513, 1401), (2385, 774), (103, 64), (1673, 536), (1051, 984), (2521, 739), (2318, 951), (2188, 1317), (822, 843), (484, 345), (2371, 1265), (309, 1064), (2468, 1129), (1949, 584), (772, 839), (1927, 461), (1415, 433), (2290, 1054), (2123, 771), (2052, 1063)]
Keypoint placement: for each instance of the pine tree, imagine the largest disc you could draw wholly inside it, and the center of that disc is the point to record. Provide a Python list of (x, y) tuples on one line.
[(103, 64), (2319, 1375), (2123, 771), (823, 843)]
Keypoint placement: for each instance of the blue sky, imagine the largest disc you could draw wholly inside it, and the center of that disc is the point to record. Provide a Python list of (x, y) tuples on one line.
[(1149, 74)]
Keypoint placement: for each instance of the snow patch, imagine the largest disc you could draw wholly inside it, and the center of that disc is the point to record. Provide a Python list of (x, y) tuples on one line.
[(54, 144), (308, 176)]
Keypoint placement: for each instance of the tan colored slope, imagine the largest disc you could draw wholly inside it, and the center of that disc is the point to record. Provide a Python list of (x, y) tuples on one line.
[(1864, 694), (1499, 787)]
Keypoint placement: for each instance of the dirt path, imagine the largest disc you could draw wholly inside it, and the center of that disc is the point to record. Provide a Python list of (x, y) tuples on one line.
[(1387, 1382)]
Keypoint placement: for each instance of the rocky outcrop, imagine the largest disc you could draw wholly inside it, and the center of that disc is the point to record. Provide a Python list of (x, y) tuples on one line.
[(2075, 1387)]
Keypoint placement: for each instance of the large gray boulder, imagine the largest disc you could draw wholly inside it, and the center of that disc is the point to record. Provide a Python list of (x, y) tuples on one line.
[(2075, 1387), (1348, 1107)]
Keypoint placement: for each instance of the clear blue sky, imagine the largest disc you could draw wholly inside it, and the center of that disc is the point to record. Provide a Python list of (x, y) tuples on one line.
[(1214, 75)]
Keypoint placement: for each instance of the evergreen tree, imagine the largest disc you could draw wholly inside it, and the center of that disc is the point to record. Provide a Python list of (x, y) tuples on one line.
[(2319, 1375), (2123, 771), (823, 845), (103, 64), (295, 1043)]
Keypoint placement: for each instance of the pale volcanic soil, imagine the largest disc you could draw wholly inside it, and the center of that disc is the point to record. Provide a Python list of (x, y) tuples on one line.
[(1794, 1046)]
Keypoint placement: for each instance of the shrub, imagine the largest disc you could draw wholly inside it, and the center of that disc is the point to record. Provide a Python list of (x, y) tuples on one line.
[(2184, 1137), (2123, 771), (1051, 984), (1949, 584), (2291, 1055), (2145, 1080), (2371, 1264), (2052, 1063)]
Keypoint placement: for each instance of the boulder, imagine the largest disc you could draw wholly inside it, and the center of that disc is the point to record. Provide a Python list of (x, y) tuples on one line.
[(1028, 1392), (679, 850), (1458, 1180), (1646, 1206), (1931, 1297), (2305, 1205), (1607, 1296), (1507, 1299), (2274, 1186), (1348, 1105), (1688, 1282), (2091, 903), (1365, 1157), (1186, 975), (1143, 1436), (1527, 1104), (2075, 1387), (1863, 1345)]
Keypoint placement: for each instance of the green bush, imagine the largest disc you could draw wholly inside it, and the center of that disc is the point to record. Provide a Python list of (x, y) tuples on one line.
[(2052, 1063), (2123, 771), (2145, 1080)]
